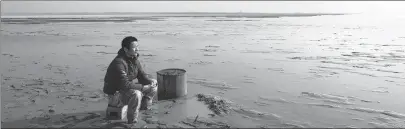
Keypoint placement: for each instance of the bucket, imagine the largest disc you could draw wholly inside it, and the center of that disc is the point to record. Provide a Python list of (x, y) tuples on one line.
[(172, 83)]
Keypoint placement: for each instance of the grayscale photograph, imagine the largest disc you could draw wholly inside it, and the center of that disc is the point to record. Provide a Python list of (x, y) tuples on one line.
[(202, 64)]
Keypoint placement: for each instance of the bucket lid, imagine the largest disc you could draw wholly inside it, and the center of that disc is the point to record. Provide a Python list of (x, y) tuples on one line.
[(172, 72)]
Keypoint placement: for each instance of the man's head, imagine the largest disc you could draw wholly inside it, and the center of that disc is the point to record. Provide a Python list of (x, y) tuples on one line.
[(130, 46)]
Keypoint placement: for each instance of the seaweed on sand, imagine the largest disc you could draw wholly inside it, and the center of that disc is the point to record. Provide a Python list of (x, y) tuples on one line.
[(216, 104)]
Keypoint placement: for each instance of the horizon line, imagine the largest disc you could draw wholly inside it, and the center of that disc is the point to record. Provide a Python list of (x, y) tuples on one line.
[(174, 12)]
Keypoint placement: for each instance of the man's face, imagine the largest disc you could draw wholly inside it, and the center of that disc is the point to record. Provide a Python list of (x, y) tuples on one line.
[(133, 49)]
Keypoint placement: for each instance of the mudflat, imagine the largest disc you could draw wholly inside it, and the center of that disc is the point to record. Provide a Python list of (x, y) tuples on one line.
[(306, 71)]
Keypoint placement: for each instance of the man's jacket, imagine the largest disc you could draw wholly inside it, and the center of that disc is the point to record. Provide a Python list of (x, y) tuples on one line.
[(122, 72)]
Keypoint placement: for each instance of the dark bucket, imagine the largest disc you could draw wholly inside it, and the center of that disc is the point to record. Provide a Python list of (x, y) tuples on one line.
[(172, 83)]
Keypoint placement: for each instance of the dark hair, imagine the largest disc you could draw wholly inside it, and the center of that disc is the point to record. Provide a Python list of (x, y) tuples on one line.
[(127, 41)]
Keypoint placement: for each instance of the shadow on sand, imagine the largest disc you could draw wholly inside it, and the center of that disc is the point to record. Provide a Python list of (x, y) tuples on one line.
[(94, 119)]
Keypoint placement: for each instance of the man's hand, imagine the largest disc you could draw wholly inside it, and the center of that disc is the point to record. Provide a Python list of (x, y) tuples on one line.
[(153, 82)]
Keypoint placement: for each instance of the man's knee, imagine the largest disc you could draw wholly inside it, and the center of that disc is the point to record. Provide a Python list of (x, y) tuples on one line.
[(136, 94)]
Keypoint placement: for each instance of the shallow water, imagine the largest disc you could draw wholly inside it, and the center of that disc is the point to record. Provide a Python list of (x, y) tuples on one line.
[(324, 71)]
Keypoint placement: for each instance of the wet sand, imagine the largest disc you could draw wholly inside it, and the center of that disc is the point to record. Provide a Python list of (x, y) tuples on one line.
[(266, 72)]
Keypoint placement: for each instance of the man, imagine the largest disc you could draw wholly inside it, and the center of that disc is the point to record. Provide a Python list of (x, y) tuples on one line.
[(119, 81)]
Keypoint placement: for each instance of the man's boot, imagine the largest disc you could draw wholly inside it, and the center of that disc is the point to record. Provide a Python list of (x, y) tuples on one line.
[(131, 123)]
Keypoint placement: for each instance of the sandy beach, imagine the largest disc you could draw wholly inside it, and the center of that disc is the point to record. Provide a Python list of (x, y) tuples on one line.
[(270, 71)]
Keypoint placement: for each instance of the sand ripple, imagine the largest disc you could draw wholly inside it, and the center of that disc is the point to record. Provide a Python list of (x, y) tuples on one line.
[(324, 96), (388, 113), (278, 100), (336, 99), (211, 83)]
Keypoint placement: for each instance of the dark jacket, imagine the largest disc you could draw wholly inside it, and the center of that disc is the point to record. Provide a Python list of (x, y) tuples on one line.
[(122, 72)]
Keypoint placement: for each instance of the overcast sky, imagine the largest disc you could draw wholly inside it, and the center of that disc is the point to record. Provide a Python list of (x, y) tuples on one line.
[(202, 6)]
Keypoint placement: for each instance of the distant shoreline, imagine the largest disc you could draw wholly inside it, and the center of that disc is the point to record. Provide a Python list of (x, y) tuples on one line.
[(130, 17), (160, 13), (164, 14)]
